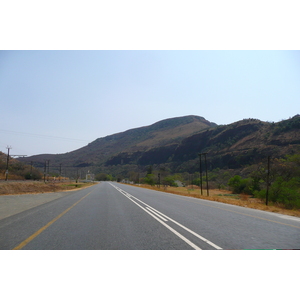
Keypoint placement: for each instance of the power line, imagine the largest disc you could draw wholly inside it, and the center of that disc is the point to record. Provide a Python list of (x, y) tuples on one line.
[(42, 135)]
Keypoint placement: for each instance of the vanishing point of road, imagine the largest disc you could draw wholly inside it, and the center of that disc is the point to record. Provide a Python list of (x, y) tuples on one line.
[(110, 215)]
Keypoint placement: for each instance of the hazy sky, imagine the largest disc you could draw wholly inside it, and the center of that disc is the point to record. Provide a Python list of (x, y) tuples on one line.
[(79, 96), (58, 101)]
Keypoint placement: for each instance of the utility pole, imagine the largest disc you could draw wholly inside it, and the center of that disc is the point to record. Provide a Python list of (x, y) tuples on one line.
[(31, 169), (45, 165), (206, 173), (48, 161), (200, 173), (268, 181), (159, 180), (7, 160), (59, 171)]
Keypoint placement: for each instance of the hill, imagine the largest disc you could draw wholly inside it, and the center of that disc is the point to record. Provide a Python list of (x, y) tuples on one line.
[(175, 143), (16, 169), (164, 133), (237, 156), (230, 146)]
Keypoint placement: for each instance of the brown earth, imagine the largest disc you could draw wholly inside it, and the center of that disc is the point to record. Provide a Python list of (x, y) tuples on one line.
[(225, 196), (35, 187)]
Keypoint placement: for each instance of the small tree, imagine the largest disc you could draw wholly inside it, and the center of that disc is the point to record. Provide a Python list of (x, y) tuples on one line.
[(149, 179), (149, 170), (101, 177), (170, 180), (239, 185)]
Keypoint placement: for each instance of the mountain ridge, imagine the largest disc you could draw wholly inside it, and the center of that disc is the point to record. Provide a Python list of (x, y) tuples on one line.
[(228, 146), (143, 138), (174, 143)]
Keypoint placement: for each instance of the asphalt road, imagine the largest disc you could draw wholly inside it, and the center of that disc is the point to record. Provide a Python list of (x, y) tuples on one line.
[(110, 216)]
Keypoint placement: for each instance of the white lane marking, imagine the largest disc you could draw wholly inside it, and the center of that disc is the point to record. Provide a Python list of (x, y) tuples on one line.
[(163, 223), (156, 214), (192, 232), (182, 226)]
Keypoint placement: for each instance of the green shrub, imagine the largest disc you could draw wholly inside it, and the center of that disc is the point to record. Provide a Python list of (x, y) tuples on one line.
[(238, 185), (283, 192), (170, 180), (150, 179)]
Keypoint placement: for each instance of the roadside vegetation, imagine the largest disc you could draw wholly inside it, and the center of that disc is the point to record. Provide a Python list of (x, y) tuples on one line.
[(26, 179), (17, 170), (284, 182), (246, 187), (225, 196), (35, 187)]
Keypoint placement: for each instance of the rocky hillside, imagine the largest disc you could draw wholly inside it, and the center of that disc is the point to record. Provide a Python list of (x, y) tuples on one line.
[(16, 169), (175, 143), (164, 133), (229, 146)]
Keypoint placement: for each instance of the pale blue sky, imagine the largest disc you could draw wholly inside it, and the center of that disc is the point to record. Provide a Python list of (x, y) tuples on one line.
[(84, 95)]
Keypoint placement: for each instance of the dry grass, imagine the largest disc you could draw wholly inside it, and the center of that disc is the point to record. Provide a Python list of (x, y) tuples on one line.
[(11, 177), (225, 196), (35, 187)]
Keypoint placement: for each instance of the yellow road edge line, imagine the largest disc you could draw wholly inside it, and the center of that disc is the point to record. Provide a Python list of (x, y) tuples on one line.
[(25, 242)]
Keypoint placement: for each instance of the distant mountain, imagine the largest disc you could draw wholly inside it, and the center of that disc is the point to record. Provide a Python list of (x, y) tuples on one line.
[(231, 146), (175, 143), (163, 133)]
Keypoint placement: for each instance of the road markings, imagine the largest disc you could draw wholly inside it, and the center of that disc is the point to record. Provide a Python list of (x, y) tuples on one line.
[(150, 210), (156, 214), (200, 202), (194, 233), (29, 239), (159, 220)]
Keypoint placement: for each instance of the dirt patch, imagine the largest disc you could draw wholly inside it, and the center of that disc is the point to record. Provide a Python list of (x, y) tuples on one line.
[(33, 187), (225, 196)]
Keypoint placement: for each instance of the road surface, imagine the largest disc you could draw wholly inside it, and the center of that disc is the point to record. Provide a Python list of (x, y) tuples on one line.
[(111, 215)]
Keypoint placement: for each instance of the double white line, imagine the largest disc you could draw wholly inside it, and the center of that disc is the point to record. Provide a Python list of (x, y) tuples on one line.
[(162, 218)]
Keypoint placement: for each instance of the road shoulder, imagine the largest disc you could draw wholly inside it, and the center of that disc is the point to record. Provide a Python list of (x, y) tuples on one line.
[(14, 204)]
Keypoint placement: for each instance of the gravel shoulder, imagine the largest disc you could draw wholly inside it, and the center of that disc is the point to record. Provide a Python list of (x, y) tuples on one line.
[(18, 196), (14, 204)]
